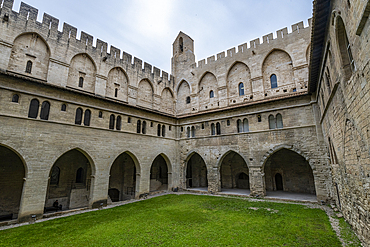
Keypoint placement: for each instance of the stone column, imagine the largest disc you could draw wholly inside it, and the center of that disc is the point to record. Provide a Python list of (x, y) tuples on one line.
[(214, 184), (144, 179), (257, 181), (99, 188), (33, 195)]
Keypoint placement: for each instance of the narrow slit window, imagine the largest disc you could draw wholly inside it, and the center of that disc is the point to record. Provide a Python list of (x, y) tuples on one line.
[(245, 125), (64, 107), (100, 114), (78, 118), (118, 123), (163, 130), (192, 131), (34, 108), (87, 118), (138, 126), (272, 123), (241, 89), (112, 118), (116, 92), (15, 98), (279, 121), (239, 126), (159, 130), (45, 110), (188, 100), (273, 80), (218, 129), (29, 67), (213, 129), (81, 82), (211, 94), (143, 129), (188, 132)]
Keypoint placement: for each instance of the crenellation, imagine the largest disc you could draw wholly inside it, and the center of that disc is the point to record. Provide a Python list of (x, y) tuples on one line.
[(147, 68), (164, 76), (242, 48), (211, 59), (50, 22), (201, 63), (8, 4), (282, 33), (220, 55), (267, 38), (115, 53), (231, 52), (126, 57), (156, 72), (297, 27), (69, 32), (86, 39), (254, 43), (138, 64), (28, 11), (102, 47)]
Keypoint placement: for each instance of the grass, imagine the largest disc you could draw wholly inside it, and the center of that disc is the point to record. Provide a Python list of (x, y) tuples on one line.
[(183, 220)]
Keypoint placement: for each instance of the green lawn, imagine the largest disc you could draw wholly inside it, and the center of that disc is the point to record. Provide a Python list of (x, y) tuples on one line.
[(183, 220)]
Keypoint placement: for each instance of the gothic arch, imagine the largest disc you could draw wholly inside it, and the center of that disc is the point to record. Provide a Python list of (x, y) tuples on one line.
[(82, 72), (221, 158), (277, 62), (238, 73), (30, 49), (168, 162), (167, 100), (117, 79), (19, 156), (160, 173), (183, 94), (145, 93), (273, 150), (133, 157), (195, 171), (207, 83)]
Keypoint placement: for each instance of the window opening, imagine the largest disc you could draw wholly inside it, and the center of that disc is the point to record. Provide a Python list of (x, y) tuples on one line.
[(188, 100), (192, 131), (78, 118), (64, 107), (138, 126), (213, 130), (118, 123), (87, 118), (279, 121), (158, 130), (273, 80), (241, 89), (245, 125), (163, 130), (100, 114), (272, 124), (29, 67), (15, 98), (129, 120), (116, 92), (218, 129), (144, 128), (34, 109), (228, 122), (112, 118), (81, 82), (45, 109), (188, 132), (239, 126), (79, 175), (211, 94), (259, 118), (181, 44)]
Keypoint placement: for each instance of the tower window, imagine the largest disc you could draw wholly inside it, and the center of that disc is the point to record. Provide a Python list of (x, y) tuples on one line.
[(64, 107), (273, 80), (15, 98), (181, 44), (138, 126), (81, 82), (163, 130), (111, 122), (143, 129), (45, 109), (129, 120), (159, 130), (116, 92), (100, 114), (188, 100), (213, 129), (29, 67), (211, 94), (34, 109), (241, 89), (78, 118), (118, 123), (87, 118)]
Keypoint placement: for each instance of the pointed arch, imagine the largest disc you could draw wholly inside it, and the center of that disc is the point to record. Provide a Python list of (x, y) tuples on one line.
[(160, 173), (348, 63), (145, 93), (82, 66), (30, 48), (118, 81), (279, 63), (207, 83), (183, 94), (195, 171), (238, 74), (167, 100)]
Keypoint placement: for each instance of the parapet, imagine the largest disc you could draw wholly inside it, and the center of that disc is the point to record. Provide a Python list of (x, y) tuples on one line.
[(28, 14), (256, 43)]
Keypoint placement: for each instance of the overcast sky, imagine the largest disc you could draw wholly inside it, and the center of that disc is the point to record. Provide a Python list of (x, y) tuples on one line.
[(147, 28)]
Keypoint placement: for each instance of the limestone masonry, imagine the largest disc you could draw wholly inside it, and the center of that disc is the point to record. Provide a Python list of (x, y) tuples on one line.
[(87, 127)]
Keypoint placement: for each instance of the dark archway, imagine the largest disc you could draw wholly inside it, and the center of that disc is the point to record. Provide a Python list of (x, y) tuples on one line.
[(196, 172), (286, 170), (234, 172), (159, 174), (70, 181), (122, 178), (12, 172)]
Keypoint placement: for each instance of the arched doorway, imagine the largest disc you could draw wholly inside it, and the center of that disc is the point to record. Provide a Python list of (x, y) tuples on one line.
[(196, 172), (159, 174), (234, 173), (70, 181), (286, 170), (12, 172), (122, 180)]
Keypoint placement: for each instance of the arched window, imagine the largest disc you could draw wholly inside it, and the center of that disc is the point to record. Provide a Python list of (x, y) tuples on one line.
[(272, 124), (279, 121), (129, 120), (15, 98), (64, 107), (54, 177), (159, 130), (45, 109), (87, 118), (348, 62), (112, 118), (218, 129), (163, 130), (78, 118), (188, 132), (241, 89), (211, 94), (181, 44), (100, 114), (188, 100), (273, 80), (80, 175), (213, 129), (34, 109), (239, 126), (81, 82), (138, 126), (118, 123), (245, 125), (29, 67), (228, 122), (192, 131), (116, 92), (202, 126), (143, 129)]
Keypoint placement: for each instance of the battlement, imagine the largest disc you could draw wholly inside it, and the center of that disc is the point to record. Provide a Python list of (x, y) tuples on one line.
[(255, 45), (28, 15)]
